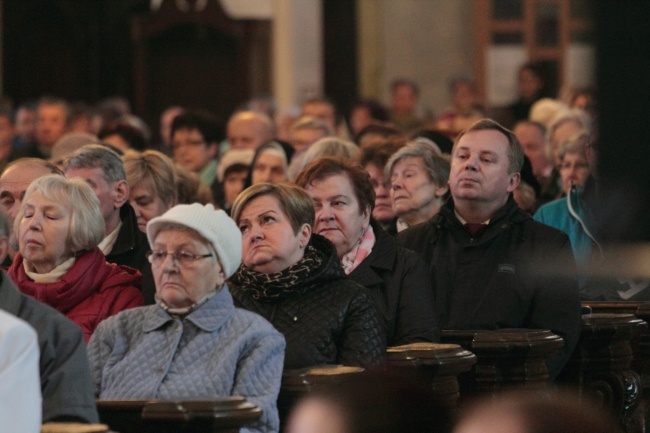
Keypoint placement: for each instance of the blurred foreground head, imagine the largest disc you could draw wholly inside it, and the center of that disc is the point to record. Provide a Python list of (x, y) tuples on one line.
[(371, 403), (524, 412)]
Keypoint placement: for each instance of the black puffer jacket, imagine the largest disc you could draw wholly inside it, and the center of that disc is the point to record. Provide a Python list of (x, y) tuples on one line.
[(329, 319)]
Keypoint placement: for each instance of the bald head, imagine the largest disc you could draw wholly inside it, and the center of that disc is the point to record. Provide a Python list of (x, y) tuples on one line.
[(249, 130)]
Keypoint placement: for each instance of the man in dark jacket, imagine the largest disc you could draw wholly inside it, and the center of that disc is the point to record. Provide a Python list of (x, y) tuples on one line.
[(66, 388), (123, 243), (488, 258)]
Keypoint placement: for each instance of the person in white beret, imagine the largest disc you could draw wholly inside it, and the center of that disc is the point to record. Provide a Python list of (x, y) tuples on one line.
[(193, 343)]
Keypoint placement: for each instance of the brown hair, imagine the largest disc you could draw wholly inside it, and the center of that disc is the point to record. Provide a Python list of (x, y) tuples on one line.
[(358, 177), (294, 202)]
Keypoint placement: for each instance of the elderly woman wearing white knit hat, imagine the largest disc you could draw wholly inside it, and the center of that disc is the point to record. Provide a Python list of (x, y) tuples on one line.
[(193, 343)]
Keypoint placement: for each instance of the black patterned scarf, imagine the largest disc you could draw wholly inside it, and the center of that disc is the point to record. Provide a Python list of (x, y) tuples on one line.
[(271, 287)]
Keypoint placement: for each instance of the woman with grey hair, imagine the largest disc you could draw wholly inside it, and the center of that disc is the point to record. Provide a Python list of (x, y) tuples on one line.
[(574, 164), (202, 345), (59, 226), (418, 175)]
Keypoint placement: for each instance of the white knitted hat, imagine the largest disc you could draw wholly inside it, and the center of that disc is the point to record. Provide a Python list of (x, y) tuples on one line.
[(214, 225)]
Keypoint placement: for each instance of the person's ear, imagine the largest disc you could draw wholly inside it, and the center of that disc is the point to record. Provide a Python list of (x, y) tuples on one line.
[(440, 191), (304, 234), (515, 178), (121, 193), (366, 216)]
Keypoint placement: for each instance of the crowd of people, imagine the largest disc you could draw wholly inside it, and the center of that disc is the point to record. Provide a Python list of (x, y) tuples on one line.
[(208, 263)]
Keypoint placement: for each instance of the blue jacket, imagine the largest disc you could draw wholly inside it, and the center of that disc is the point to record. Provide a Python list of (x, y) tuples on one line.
[(215, 351), (569, 214)]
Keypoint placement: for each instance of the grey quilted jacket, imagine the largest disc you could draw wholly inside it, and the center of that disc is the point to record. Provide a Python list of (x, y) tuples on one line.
[(216, 350)]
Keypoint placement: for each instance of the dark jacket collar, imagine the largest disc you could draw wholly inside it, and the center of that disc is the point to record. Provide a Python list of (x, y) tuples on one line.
[(502, 219), (381, 258), (130, 236)]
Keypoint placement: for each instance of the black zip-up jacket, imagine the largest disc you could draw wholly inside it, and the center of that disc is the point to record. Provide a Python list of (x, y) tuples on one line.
[(516, 273)]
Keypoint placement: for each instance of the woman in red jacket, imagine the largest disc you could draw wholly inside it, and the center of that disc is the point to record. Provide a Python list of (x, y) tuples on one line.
[(58, 226)]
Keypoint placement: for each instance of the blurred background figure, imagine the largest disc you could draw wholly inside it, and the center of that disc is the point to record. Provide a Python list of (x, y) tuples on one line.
[(232, 173), (25, 125), (376, 133), (270, 164), (370, 403), (325, 110), (330, 146), (364, 112), (373, 159), (68, 144), (249, 130), (404, 96), (195, 137), (166, 119), (123, 136), (528, 412), (464, 110), (306, 131), (533, 83)]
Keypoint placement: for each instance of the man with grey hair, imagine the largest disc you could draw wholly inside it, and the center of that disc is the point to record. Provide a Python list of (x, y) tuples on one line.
[(123, 243), (66, 387), (493, 265)]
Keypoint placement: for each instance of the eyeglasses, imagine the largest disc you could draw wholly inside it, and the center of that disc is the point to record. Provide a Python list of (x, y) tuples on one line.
[(182, 258)]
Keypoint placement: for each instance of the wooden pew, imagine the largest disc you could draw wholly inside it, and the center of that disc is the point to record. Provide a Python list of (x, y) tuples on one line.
[(506, 358), (438, 365), (296, 383), (601, 364), (225, 415)]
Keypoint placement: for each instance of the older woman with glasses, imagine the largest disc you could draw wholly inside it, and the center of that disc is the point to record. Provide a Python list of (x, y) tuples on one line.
[(396, 277), (58, 227), (202, 345), (294, 279)]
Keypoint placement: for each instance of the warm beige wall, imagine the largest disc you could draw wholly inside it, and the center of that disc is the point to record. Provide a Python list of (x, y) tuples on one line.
[(428, 41)]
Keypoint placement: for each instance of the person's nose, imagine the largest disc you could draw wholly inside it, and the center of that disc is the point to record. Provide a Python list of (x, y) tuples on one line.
[(325, 213), (396, 183), (35, 222), (471, 163), (255, 233), (169, 264)]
